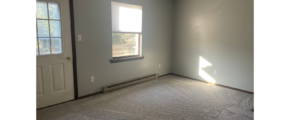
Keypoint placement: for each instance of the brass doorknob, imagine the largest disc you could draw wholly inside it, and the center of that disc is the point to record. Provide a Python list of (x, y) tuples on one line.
[(68, 58)]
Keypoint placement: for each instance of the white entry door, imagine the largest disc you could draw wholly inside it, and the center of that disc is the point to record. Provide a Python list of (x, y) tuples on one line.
[(54, 53)]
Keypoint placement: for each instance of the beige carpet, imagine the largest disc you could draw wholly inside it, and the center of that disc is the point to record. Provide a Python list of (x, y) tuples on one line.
[(166, 98)]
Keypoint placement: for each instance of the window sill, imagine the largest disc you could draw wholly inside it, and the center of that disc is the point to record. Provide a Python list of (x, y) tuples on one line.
[(124, 59)]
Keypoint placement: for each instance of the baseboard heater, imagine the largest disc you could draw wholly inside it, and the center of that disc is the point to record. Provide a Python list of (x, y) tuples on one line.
[(128, 83)]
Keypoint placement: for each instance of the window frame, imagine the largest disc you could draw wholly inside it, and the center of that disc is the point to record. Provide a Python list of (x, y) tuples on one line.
[(48, 19), (139, 40)]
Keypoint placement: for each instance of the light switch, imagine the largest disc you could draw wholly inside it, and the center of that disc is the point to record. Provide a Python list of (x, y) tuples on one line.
[(79, 37), (92, 79)]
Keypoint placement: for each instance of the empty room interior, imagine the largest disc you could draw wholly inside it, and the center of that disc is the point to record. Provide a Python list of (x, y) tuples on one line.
[(145, 59)]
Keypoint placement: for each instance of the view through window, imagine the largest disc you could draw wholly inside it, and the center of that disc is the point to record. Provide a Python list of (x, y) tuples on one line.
[(48, 28)]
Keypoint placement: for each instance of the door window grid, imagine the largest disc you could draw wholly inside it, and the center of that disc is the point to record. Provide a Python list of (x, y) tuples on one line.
[(48, 28)]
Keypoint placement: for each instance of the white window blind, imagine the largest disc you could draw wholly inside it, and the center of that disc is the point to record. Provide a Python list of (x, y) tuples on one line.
[(126, 18)]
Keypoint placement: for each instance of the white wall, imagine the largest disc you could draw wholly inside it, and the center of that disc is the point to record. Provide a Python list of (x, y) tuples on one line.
[(220, 31), (93, 22)]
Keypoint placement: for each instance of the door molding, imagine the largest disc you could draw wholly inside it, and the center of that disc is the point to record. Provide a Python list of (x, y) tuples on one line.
[(72, 22)]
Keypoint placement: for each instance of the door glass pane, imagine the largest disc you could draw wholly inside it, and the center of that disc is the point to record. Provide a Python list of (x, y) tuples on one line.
[(125, 44), (48, 26), (53, 11), (36, 47), (55, 29), (43, 28), (56, 45), (44, 46), (41, 10)]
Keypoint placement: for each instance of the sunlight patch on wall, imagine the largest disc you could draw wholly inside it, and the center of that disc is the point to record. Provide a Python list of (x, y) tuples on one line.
[(203, 63)]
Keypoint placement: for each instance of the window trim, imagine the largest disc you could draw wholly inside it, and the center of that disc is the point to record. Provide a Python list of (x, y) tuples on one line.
[(126, 56), (129, 57)]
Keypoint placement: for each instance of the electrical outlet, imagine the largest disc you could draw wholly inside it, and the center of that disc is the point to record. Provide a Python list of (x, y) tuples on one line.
[(92, 79), (159, 65), (215, 71)]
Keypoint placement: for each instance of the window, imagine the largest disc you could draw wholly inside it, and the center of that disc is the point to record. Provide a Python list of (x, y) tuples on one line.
[(126, 29), (48, 28)]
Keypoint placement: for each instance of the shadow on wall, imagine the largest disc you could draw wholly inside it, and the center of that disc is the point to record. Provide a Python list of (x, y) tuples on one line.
[(203, 63)]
